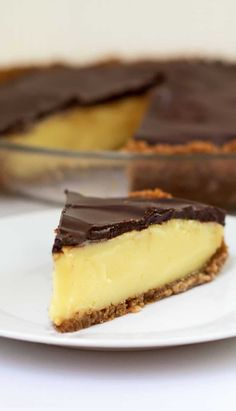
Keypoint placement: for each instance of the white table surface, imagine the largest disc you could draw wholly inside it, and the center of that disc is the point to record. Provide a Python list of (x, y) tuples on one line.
[(34, 376)]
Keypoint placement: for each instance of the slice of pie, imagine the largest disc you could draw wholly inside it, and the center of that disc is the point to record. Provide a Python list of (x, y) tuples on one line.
[(113, 256)]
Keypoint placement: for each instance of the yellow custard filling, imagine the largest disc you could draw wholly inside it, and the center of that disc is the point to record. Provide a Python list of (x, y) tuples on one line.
[(106, 126)]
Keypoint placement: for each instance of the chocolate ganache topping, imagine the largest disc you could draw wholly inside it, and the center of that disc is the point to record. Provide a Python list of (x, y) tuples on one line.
[(197, 102), (36, 95), (91, 219), (191, 99)]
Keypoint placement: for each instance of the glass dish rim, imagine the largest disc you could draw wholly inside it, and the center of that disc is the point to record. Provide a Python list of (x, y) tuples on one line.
[(111, 155)]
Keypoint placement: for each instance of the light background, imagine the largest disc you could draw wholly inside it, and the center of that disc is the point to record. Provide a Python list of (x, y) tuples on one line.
[(82, 30), (192, 378)]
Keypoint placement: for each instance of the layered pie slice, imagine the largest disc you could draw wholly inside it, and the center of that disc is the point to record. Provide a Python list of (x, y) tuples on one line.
[(113, 256)]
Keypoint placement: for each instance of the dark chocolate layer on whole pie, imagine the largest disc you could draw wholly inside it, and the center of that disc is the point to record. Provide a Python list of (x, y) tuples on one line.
[(192, 99), (35, 95), (198, 102), (87, 219)]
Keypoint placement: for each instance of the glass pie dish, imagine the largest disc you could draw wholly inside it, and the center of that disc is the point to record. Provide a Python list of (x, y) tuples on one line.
[(44, 174)]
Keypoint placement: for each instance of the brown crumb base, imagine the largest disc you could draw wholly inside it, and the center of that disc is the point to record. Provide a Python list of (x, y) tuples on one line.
[(205, 275), (155, 193), (189, 148)]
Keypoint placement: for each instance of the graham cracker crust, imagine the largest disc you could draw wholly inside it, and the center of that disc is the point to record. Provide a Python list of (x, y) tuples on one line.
[(189, 148), (206, 274), (156, 193)]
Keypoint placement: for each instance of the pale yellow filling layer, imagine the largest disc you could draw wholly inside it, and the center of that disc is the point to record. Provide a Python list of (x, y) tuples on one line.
[(106, 126), (108, 272)]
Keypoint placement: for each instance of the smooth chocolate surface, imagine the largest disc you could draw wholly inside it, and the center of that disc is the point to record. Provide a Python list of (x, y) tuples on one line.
[(35, 95), (197, 102), (191, 99), (86, 219)]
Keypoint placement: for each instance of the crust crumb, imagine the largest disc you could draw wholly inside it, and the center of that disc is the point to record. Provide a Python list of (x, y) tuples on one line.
[(156, 193), (135, 309), (188, 148)]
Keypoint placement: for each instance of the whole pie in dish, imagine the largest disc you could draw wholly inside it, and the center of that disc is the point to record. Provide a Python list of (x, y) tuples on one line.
[(175, 108), (170, 106)]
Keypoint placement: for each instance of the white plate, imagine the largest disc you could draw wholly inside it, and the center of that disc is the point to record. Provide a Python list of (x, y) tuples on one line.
[(205, 313)]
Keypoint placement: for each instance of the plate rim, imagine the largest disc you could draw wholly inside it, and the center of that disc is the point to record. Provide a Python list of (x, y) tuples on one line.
[(100, 345)]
